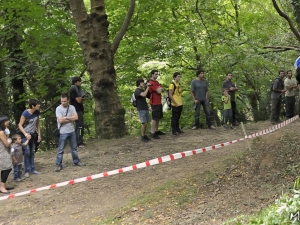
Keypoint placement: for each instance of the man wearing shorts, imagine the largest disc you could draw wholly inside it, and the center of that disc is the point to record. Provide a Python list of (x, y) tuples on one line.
[(142, 107), (156, 105)]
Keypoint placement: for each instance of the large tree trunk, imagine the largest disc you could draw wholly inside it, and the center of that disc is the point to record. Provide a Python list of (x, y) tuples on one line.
[(92, 32)]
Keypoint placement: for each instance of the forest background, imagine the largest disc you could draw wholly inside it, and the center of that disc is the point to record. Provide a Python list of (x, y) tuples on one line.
[(110, 44)]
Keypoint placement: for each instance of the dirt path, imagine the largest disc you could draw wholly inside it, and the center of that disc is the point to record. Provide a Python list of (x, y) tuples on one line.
[(82, 203)]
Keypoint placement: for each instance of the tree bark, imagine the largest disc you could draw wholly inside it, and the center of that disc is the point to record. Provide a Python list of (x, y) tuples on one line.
[(93, 36)]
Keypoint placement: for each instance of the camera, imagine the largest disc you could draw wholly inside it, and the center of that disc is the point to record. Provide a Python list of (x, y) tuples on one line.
[(148, 84)]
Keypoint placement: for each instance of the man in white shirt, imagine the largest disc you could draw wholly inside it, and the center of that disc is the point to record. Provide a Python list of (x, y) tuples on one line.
[(290, 86)]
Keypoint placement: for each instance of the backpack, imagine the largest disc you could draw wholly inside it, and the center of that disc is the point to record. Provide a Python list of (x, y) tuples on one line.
[(167, 97), (133, 100)]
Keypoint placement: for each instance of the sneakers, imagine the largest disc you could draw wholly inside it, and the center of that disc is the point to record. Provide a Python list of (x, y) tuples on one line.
[(18, 180), (225, 127), (145, 138), (58, 168), (235, 124), (212, 127), (194, 128), (79, 164), (232, 128), (159, 132), (175, 133), (154, 136), (36, 172), (26, 175)]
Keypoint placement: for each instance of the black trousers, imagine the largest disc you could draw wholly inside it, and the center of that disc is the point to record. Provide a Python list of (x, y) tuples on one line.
[(290, 106), (233, 107), (4, 175), (79, 128), (176, 113), (275, 109)]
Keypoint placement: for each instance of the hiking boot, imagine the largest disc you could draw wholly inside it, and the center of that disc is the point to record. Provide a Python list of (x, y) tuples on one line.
[(79, 164), (225, 127), (144, 139), (159, 132), (26, 175), (212, 127), (180, 132), (58, 168), (235, 124), (175, 133), (149, 139), (154, 136), (232, 128)]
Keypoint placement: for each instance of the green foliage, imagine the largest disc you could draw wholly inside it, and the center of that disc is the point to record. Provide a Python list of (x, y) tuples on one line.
[(276, 214)]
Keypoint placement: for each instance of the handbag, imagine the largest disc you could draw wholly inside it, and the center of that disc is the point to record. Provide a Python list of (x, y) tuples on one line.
[(56, 132)]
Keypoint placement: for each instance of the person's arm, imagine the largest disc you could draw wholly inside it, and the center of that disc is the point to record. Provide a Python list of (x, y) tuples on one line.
[(38, 127), (25, 143), (193, 93), (226, 99), (276, 85), (75, 96), (21, 128), (144, 94), (233, 89), (3, 138), (171, 92)]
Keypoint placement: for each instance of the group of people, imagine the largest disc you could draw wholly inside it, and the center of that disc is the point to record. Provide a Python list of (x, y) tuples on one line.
[(199, 94), (20, 147), (280, 87)]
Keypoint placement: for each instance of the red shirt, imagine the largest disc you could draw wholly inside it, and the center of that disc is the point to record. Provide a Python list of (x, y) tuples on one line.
[(155, 98)]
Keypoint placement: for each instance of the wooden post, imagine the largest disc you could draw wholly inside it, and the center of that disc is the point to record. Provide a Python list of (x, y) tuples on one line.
[(249, 146)]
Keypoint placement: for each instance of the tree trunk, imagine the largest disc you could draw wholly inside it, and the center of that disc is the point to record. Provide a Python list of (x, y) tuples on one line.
[(93, 36)]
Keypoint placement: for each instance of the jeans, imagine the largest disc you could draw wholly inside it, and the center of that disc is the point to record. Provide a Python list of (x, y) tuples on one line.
[(176, 113), (17, 171), (79, 128), (205, 105), (275, 109), (61, 145), (227, 114), (290, 106), (28, 151)]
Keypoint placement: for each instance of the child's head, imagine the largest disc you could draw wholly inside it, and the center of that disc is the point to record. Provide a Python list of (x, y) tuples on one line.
[(16, 138), (225, 91)]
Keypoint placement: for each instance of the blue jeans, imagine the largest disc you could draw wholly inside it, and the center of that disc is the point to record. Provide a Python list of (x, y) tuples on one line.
[(17, 171), (28, 151), (205, 105), (61, 145)]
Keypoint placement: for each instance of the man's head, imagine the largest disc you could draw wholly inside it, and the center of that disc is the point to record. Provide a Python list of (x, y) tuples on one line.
[(76, 81), (139, 82), (200, 73), (228, 76), (34, 104), (154, 74), (289, 74), (281, 74), (176, 76), (64, 99)]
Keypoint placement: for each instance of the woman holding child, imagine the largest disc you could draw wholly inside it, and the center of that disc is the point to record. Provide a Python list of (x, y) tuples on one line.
[(5, 158)]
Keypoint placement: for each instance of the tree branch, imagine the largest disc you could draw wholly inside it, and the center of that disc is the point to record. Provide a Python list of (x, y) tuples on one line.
[(123, 29), (283, 48), (282, 14)]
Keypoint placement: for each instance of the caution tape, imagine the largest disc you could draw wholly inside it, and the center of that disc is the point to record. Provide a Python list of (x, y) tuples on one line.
[(151, 162)]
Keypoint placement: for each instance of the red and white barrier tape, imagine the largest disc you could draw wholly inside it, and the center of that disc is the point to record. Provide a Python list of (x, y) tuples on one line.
[(151, 162)]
